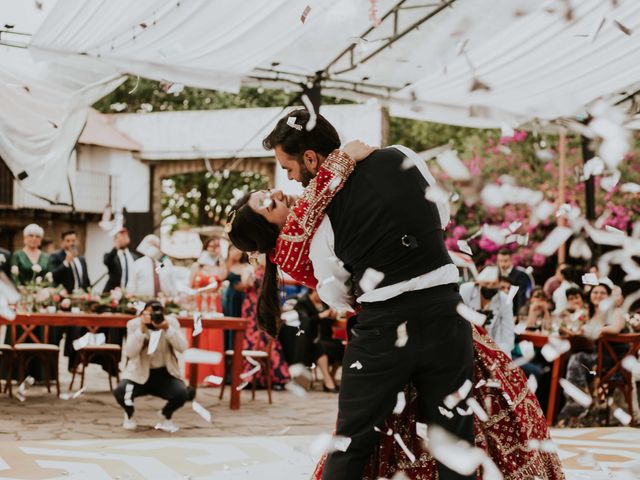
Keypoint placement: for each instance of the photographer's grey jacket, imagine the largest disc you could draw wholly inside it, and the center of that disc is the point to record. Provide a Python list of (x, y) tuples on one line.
[(172, 342)]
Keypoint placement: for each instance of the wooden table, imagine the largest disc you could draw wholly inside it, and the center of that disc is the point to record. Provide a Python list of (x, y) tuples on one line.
[(539, 340), (119, 320)]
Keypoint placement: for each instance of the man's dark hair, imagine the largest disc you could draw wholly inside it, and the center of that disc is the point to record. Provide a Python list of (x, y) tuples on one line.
[(505, 251), (322, 139), (503, 278), (570, 292), (67, 232), (569, 274)]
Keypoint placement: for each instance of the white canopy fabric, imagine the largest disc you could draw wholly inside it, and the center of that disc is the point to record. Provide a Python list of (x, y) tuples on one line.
[(465, 62), (537, 59), (44, 107)]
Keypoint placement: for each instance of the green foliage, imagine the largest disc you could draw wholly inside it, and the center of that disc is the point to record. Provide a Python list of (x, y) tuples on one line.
[(206, 198)]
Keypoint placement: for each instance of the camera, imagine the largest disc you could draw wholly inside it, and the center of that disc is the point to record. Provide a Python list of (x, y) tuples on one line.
[(157, 316)]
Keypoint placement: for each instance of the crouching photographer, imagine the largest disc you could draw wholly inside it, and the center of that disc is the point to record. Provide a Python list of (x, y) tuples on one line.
[(153, 341)]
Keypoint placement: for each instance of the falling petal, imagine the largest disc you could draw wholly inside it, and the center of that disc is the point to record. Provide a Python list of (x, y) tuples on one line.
[(357, 365), (401, 335), (580, 397), (401, 402), (370, 279), (200, 410), (196, 355), (554, 241)]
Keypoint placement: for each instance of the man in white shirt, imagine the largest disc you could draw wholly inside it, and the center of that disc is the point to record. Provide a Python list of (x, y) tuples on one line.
[(152, 274), (382, 242), (486, 296), (152, 347)]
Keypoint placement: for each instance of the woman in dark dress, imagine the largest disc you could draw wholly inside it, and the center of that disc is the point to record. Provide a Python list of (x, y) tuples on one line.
[(326, 352), (240, 277)]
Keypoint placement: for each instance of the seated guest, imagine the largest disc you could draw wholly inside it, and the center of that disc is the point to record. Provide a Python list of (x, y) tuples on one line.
[(153, 371), (505, 284), (152, 274), (575, 315), (485, 297), (568, 276), (536, 312), (119, 262), (581, 364), (325, 351), (554, 281)]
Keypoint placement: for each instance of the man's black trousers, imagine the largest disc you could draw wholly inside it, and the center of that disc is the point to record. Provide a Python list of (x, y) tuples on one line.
[(437, 359), (160, 384)]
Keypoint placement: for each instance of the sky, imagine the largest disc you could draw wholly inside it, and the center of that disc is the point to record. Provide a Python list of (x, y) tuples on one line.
[(24, 14)]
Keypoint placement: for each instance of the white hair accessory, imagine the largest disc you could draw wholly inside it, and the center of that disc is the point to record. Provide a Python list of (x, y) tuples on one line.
[(33, 229), (291, 121)]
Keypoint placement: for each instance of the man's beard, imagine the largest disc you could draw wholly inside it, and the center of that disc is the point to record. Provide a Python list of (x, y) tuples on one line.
[(305, 175)]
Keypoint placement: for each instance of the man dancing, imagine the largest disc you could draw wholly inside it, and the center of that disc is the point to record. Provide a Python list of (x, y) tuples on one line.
[(383, 241)]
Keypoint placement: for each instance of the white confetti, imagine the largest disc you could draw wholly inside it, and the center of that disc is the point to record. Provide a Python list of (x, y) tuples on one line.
[(527, 350), (464, 413), (407, 452), (421, 430), (256, 368), (444, 412), (325, 443), (580, 397), (513, 290), (589, 279), (580, 249), (630, 187), (532, 383), (593, 167), (543, 445), (197, 324), (200, 410), (311, 124), (357, 365), (437, 194), (453, 166), (401, 335), (291, 318), (291, 121), (401, 402), (631, 364), (128, 393), (520, 328), (453, 452), (554, 241), (464, 247), (471, 315), (554, 348), (295, 389), (197, 355), (370, 279), (473, 404), (456, 397), (154, 340), (213, 379), (489, 274), (623, 417), (242, 386)]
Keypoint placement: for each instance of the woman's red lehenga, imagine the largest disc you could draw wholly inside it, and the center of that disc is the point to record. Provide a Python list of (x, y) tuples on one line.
[(515, 416)]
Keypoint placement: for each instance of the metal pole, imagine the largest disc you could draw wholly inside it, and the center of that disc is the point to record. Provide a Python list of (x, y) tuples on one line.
[(590, 183), (562, 147)]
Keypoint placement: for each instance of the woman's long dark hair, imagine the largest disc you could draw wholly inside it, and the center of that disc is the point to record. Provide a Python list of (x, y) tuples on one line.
[(251, 232)]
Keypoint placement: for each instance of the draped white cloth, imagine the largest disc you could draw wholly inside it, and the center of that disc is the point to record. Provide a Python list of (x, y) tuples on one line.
[(529, 59), (44, 107)]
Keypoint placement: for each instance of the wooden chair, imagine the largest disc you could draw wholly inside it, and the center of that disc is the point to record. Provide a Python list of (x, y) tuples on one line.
[(611, 373), (260, 356), (24, 352), (6, 360), (110, 351)]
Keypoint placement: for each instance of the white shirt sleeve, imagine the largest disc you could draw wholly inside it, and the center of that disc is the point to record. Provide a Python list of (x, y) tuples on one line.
[(444, 209), (333, 278)]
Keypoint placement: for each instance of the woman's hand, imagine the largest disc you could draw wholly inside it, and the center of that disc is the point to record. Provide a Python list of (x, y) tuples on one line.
[(358, 150)]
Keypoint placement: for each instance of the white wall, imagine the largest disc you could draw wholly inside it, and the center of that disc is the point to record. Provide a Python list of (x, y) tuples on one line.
[(98, 243), (130, 176)]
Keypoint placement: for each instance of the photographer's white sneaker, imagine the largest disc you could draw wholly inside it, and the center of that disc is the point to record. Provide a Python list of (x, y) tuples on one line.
[(166, 425), (129, 423)]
